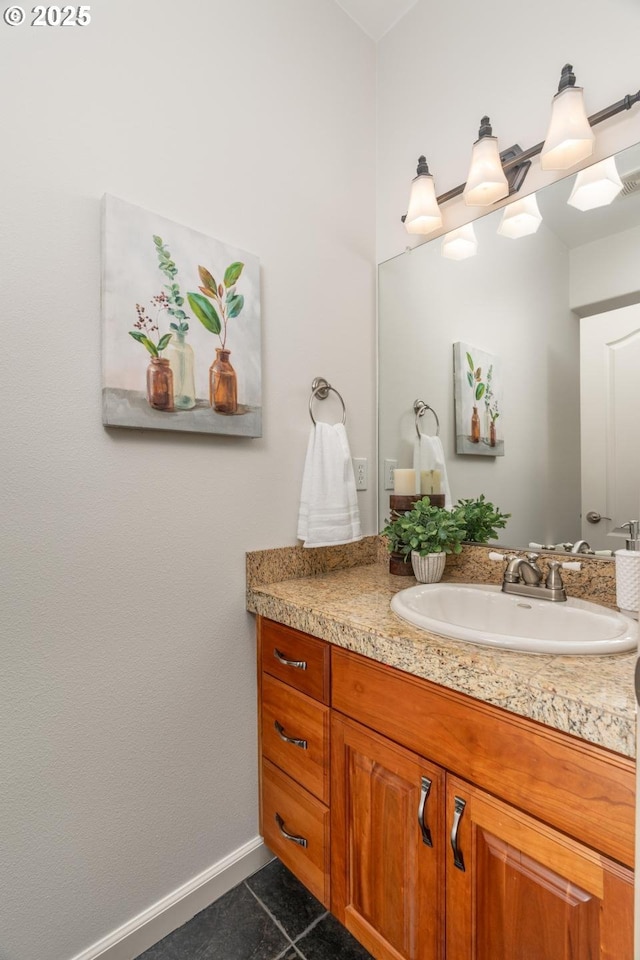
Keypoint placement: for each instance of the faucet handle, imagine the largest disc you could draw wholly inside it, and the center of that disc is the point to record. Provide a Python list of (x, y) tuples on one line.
[(554, 577), (532, 557)]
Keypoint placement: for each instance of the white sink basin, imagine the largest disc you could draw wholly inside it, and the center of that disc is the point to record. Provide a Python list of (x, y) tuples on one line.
[(485, 615)]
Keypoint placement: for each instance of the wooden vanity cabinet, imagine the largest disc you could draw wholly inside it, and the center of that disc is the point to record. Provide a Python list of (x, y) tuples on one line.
[(498, 883), (388, 864), (453, 830), (516, 888), (293, 684)]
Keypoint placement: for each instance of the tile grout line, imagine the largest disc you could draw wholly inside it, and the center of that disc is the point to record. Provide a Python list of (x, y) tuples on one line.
[(291, 943), (271, 916), (313, 924)]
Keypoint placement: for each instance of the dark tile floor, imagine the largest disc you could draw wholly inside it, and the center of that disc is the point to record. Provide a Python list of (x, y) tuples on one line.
[(270, 916)]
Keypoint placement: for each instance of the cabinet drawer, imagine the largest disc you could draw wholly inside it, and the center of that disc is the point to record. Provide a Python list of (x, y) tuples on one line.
[(295, 658), (295, 735), (287, 808)]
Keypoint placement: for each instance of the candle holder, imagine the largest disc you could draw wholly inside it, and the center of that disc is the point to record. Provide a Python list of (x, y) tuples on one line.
[(399, 502)]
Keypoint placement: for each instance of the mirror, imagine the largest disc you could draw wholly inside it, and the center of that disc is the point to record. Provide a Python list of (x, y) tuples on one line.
[(560, 309)]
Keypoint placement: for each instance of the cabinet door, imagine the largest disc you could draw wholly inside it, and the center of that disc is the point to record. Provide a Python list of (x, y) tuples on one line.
[(387, 844), (519, 890)]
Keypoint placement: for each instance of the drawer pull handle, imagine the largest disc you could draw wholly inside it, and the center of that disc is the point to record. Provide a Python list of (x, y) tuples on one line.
[(458, 810), (301, 841), (298, 664), (294, 740), (425, 787)]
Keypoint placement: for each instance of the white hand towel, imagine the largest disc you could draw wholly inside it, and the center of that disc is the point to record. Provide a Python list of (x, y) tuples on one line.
[(428, 454), (329, 512)]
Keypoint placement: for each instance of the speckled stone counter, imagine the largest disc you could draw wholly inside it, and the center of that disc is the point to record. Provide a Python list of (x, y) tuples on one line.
[(346, 602)]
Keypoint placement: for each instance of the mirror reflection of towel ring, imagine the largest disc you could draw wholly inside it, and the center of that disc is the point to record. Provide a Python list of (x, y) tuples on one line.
[(320, 390), (420, 408)]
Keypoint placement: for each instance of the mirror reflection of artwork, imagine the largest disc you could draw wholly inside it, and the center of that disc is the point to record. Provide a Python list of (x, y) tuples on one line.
[(180, 326), (478, 401)]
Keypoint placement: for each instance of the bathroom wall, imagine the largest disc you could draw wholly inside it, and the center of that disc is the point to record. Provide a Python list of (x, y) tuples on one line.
[(444, 65), (127, 690), (604, 273)]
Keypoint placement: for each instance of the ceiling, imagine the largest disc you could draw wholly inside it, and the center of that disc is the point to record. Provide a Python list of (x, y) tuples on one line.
[(376, 17)]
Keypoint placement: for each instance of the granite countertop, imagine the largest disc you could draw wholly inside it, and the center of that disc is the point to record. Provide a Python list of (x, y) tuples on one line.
[(590, 697)]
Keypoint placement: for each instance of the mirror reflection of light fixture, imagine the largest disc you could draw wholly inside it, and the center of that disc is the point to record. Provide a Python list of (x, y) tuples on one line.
[(570, 138), (460, 243), (423, 215), (486, 182), (520, 218), (596, 186)]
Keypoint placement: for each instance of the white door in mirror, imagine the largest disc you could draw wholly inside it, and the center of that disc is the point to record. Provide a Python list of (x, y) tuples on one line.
[(609, 416)]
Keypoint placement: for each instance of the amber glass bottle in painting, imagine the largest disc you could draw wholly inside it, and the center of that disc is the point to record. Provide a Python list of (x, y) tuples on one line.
[(180, 356), (475, 426), (223, 385), (160, 384)]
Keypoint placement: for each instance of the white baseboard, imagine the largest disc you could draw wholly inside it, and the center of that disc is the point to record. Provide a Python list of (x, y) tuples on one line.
[(154, 923)]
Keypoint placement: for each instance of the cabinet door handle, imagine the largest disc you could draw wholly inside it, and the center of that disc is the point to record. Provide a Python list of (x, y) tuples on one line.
[(301, 841), (298, 664), (425, 787), (294, 740), (458, 809)]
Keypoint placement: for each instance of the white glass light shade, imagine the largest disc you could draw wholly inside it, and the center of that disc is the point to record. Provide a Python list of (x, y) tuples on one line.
[(520, 218), (596, 186), (570, 138), (460, 243), (423, 215), (486, 183)]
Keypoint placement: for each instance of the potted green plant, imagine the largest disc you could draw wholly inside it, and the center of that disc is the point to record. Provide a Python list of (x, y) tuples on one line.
[(481, 519), (426, 534)]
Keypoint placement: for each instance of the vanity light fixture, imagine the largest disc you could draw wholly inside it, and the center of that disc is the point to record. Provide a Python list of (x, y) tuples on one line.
[(460, 244), (520, 218), (424, 213), (596, 186), (570, 138), (515, 162), (486, 182)]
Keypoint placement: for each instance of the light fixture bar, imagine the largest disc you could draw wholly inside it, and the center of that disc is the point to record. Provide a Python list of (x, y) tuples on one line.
[(517, 157)]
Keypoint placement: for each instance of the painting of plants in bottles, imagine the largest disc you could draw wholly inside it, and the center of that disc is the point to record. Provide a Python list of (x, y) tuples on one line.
[(180, 327), (478, 401)]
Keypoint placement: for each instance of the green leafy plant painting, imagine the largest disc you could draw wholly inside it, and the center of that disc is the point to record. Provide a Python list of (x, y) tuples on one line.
[(167, 288), (478, 401), (216, 304)]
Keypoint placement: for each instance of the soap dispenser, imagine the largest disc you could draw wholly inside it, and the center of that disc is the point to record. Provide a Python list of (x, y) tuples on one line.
[(628, 572)]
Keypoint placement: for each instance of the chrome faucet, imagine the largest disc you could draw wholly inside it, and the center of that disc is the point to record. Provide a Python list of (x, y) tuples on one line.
[(525, 578), (581, 546)]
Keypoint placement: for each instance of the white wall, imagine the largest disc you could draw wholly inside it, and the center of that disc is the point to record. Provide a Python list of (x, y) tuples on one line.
[(127, 709), (604, 273), (444, 65)]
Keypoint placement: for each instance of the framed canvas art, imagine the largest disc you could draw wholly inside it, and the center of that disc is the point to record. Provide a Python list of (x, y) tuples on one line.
[(181, 346), (478, 401)]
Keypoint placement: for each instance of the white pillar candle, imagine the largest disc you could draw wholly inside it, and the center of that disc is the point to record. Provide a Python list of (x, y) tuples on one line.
[(404, 482), (430, 482)]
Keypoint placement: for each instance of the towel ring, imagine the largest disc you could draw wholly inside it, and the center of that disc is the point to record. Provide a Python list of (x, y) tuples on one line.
[(420, 408), (320, 390)]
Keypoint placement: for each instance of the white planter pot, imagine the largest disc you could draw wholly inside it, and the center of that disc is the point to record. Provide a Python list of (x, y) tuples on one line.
[(428, 569)]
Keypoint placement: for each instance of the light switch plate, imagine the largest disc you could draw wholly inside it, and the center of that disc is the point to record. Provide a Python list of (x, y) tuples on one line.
[(389, 467), (361, 472)]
